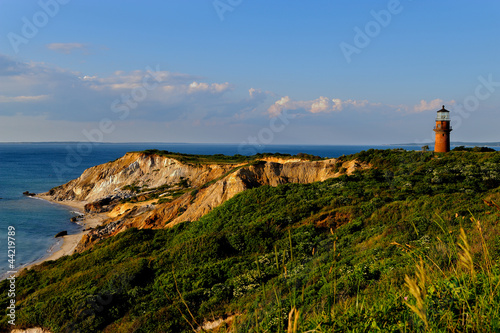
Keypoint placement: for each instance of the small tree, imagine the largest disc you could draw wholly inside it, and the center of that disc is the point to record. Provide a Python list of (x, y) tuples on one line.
[(425, 148)]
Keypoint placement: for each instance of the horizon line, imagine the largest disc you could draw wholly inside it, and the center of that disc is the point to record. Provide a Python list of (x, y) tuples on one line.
[(233, 143)]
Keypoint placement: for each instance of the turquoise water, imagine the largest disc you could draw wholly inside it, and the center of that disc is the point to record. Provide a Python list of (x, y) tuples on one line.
[(39, 167)]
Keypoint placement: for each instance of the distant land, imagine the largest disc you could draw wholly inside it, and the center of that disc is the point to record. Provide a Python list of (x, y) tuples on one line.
[(457, 143)]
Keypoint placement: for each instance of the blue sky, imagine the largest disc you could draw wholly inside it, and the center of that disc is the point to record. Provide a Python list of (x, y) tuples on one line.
[(236, 71)]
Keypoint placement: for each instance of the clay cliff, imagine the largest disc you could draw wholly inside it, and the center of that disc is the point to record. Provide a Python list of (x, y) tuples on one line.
[(155, 191)]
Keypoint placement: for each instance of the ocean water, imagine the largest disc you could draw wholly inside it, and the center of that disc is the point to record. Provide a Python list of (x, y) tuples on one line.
[(38, 167)]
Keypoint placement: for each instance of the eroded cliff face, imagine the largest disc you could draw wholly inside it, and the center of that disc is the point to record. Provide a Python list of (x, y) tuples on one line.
[(263, 173), (135, 170), (152, 191)]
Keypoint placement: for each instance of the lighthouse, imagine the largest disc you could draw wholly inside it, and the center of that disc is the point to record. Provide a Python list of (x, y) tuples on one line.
[(442, 129)]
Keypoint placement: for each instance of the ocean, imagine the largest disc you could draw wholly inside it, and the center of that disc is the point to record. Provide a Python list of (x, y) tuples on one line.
[(38, 167)]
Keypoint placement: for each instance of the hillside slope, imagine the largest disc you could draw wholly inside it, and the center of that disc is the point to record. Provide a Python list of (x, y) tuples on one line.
[(151, 190), (409, 245)]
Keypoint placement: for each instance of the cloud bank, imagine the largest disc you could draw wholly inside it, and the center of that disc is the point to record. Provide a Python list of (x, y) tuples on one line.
[(433, 105), (186, 107), (320, 105), (66, 95)]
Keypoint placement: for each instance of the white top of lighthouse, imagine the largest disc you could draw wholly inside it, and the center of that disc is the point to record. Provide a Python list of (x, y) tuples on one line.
[(443, 115)]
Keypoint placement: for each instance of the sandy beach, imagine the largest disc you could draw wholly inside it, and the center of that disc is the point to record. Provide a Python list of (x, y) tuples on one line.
[(70, 242)]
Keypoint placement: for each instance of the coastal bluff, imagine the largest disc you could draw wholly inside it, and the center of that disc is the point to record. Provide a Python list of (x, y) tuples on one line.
[(160, 189)]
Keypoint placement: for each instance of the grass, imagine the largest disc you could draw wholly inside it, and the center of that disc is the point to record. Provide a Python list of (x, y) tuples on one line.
[(410, 245), (463, 298), (220, 158)]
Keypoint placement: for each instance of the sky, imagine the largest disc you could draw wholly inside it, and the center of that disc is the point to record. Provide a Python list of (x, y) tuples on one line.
[(248, 72)]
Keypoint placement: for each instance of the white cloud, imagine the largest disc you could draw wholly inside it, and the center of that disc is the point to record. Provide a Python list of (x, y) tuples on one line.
[(67, 48), (324, 104), (433, 105), (195, 87), (259, 94), (169, 82), (320, 105), (254, 92), (22, 99), (284, 103)]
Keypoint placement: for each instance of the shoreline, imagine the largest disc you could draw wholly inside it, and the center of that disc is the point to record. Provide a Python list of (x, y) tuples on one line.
[(69, 242)]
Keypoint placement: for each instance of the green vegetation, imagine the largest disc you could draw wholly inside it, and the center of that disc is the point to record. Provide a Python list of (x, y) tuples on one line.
[(475, 149), (410, 245), (220, 158), (132, 188)]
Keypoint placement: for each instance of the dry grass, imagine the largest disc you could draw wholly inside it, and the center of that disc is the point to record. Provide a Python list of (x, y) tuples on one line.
[(417, 288)]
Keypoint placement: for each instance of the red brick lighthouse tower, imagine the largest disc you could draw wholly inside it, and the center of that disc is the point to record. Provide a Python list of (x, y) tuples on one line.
[(442, 129)]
